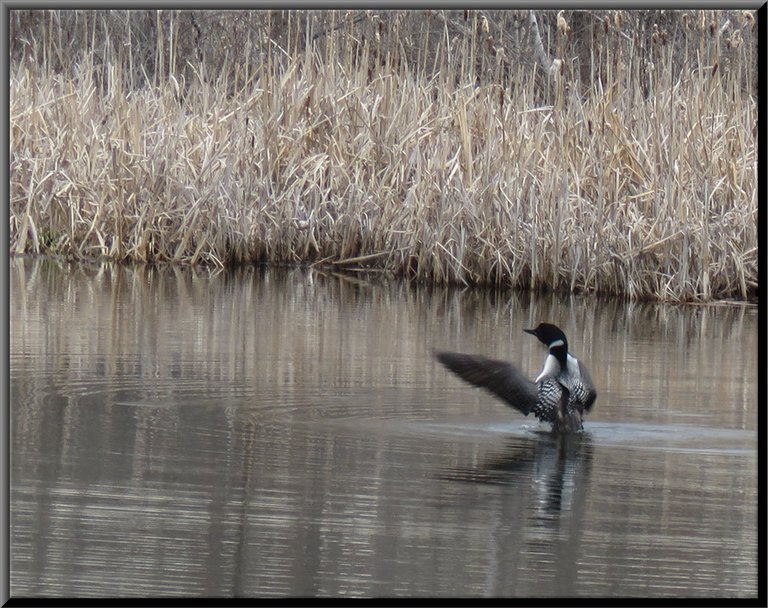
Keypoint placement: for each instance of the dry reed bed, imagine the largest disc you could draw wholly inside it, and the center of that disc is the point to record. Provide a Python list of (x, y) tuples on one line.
[(316, 161)]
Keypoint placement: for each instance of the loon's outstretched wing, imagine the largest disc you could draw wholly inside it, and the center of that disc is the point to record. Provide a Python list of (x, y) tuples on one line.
[(499, 377)]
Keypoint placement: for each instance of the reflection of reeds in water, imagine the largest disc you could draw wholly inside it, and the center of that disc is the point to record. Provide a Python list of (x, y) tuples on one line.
[(363, 158), (288, 329)]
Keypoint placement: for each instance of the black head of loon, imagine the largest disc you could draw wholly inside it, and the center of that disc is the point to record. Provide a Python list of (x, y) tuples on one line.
[(554, 338)]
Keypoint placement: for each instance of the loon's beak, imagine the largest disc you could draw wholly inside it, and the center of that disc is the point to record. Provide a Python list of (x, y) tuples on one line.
[(530, 331)]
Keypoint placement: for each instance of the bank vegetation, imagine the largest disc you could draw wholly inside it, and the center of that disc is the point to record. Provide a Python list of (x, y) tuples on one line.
[(591, 151)]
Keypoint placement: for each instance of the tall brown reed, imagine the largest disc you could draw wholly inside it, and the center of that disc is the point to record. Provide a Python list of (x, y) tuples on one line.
[(639, 181)]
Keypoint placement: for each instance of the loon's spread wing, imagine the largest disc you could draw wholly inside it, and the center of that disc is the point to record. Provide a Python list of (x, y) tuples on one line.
[(499, 377)]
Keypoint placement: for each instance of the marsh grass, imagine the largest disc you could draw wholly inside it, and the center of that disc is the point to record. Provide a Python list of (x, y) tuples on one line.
[(640, 181)]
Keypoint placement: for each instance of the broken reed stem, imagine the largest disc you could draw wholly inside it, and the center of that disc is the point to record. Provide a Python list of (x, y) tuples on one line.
[(436, 179)]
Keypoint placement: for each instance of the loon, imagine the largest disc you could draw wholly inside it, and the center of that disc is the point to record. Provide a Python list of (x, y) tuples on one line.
[(560, 395)]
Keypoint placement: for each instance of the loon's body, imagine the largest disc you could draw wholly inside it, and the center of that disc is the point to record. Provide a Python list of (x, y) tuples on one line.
[(560, 395)]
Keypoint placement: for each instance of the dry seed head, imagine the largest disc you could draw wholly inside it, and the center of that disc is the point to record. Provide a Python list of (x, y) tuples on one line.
[(501, 56), (486, 27), (734, 42), (562, 24), (556, 67), (748, 17), (617, 19), (606, 24)]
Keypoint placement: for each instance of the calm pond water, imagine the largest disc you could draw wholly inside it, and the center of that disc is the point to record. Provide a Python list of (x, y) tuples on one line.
[(269, 433)]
